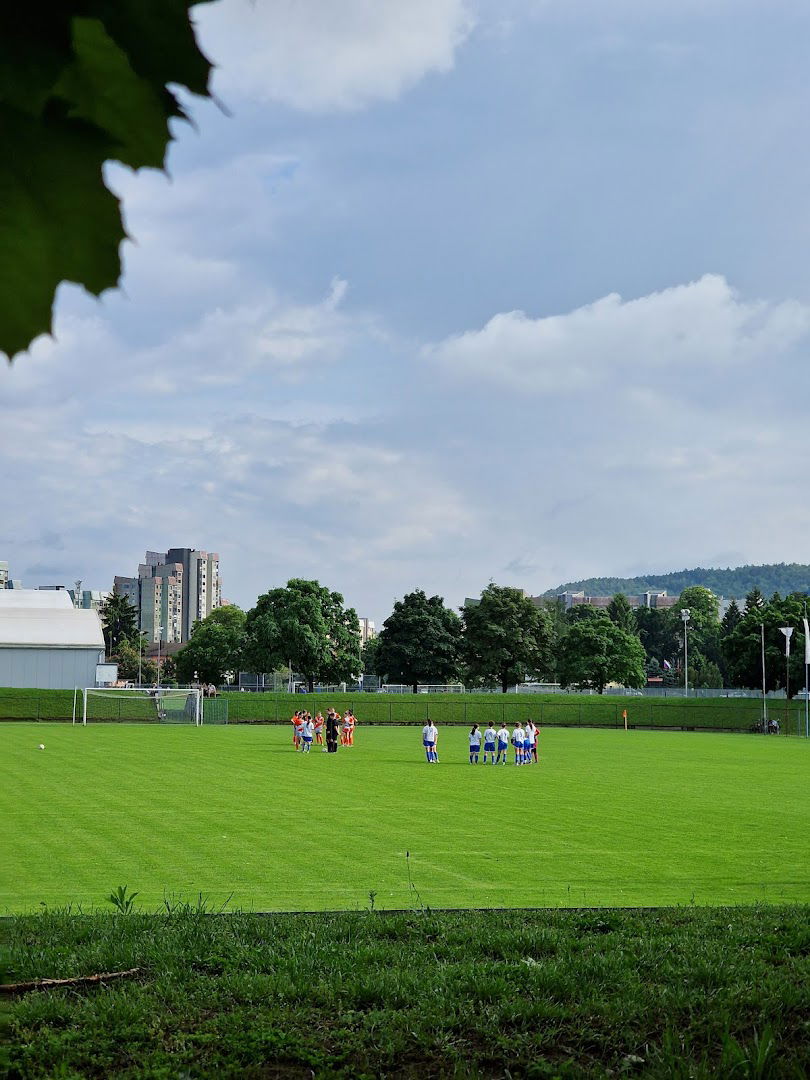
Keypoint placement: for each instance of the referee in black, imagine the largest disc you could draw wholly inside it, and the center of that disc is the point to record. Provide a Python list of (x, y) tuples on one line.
[(332, 729)]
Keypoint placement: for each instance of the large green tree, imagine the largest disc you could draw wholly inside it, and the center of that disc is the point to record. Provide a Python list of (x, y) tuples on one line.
[(506, 639), (82, 82), (119, 621), (420, 641), (703, 629), (621, 614), (742, 648), (730, 620), (133, 663), (595, 652), (368, 657), (728, 625), (307, 626), (657, 629), (216, 645)]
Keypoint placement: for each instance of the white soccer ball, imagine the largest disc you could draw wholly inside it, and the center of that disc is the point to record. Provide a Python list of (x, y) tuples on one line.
[(42, 746)]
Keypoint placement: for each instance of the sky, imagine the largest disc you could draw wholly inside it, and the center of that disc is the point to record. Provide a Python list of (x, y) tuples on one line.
[(443, 293)]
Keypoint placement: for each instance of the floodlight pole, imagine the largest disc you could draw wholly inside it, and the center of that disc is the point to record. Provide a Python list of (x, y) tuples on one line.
[(787, 631), (685, 613)]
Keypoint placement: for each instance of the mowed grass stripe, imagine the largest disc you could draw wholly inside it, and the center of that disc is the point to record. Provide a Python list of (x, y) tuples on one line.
[(608, 818)]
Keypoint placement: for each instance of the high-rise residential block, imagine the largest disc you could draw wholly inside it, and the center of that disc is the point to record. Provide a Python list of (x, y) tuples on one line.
[(172, 591), (202, 588)]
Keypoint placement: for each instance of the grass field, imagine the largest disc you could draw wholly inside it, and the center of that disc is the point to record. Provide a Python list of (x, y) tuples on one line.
[(673, 994), (607, 818)]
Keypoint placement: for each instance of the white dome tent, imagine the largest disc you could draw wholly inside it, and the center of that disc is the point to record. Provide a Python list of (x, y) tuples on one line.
[(45, 642)]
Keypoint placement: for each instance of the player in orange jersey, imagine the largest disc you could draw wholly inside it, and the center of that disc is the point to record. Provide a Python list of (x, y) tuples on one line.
[(319, 722), (296, 722)]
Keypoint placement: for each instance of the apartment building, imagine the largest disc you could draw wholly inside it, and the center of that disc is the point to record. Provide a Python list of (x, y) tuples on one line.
[(5, 581), (172, 591), (656, 599)]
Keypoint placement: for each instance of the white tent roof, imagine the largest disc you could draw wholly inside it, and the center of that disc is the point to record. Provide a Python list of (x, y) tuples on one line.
[(37, 626), (35, 598)]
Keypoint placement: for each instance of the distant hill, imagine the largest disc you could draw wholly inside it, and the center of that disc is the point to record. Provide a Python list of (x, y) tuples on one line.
[(783, 578)]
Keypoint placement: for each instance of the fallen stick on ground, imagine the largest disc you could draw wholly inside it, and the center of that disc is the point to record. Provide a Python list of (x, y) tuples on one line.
[(52, 984)]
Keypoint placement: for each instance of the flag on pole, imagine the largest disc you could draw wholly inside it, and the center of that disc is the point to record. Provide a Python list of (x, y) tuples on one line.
[(667, 666), (806, 641)]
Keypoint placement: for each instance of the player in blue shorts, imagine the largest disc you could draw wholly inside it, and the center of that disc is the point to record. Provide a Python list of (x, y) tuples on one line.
[(430, 736), (306, 736), (490, 735), (503, 743), (517, 741), (475, 744)]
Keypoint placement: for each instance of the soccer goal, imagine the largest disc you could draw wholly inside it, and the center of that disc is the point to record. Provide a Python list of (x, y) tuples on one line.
[(141, 706)]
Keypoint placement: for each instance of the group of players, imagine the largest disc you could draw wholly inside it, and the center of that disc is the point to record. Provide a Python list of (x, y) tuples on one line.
[(523, 739), (308, 729), (339, 730)]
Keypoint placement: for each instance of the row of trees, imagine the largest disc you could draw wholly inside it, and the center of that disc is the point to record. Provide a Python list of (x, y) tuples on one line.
[(502, 639), (727, 651), (303, 626), (505, 639)]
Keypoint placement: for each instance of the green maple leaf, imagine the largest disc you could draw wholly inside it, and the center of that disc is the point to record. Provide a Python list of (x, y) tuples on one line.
[(80, 84)]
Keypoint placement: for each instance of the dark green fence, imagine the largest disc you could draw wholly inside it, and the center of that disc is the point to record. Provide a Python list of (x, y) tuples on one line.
[(559, 710), (721, 714)]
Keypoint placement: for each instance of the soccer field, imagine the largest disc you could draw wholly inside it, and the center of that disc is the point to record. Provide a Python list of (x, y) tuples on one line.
[(607, 818)]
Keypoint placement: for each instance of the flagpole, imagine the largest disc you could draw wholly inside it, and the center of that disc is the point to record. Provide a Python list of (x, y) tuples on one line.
[(764, 699)]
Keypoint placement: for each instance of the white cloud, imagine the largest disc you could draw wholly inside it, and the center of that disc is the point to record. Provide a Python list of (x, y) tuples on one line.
[(222, 346), (324, 54), (686, 328), (276, 499)]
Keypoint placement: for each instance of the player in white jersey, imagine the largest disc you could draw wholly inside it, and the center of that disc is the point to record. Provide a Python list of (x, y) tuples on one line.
[(531, 739), (490, 735), (518, 736), (503, 743), (430, 737), (307, 732), (527, 743), (475, 744)]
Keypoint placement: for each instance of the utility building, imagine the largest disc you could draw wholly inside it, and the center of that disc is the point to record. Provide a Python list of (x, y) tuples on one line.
[(47, 643)]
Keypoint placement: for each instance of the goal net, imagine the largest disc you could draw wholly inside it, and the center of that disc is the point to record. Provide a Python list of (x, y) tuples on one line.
[(152, 706)]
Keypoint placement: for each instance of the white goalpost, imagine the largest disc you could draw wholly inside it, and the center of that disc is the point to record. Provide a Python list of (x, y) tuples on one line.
[(144, 706)]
